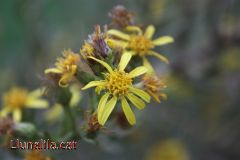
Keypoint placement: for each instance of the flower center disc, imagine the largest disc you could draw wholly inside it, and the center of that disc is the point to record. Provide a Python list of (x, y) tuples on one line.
[(118, 83), (140, 44), (16, 98)]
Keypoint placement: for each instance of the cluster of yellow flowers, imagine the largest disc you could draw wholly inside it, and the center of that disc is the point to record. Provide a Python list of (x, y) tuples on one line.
[(107, 61)]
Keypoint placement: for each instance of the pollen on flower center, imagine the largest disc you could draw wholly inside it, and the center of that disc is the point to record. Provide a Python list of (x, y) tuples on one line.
[(87, 50), (15, 98), (118, 83), (140, 44), (69, 62)]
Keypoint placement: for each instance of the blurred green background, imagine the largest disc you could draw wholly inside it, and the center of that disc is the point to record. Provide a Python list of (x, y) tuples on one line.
[(201, 118)]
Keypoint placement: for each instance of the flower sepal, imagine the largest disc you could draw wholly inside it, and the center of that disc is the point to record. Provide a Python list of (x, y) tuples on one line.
[(85, 77)]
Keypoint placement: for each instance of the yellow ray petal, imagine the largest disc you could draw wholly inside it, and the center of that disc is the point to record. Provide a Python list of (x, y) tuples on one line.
[(108, 110), (132, 52), (112, 43), (128, 111), (136, 101), (37, 92), (102, 104), (93, 84), (159, 56), (4, 112), (124, 60), (163, 40), (68, 76), (36, 103), (155, 96), (138, 71), (144, 95), (149, 31), (52, 70), (65, 79), (102, 63), (76, 95), (118, 34), (149, 67), (134, 29), (17, 115), (54, 112), (163, 95)]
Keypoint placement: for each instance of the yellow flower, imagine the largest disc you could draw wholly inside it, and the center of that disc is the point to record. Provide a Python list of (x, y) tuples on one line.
[(118, 85), (153, 85), (229, 60), (139, 43), (16, 99), (169, 149), (66, 67)]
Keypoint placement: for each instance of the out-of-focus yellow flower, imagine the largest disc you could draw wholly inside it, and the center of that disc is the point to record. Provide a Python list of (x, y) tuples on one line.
[(229, 60), (153, 85), (139, 43), (168, 150), (179, 87), (157, 8), (118, 85), (16, 99), (57, 109), (66, 67), (36, 155)]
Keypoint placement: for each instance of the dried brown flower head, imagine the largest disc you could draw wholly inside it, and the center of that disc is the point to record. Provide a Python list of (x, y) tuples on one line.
[(93, 125), (96, 46), (121, 17), (6, 126), (154, 85)]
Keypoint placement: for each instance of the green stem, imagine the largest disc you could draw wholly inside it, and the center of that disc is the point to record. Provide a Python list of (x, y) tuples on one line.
[(93, 100), (70, 119)]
